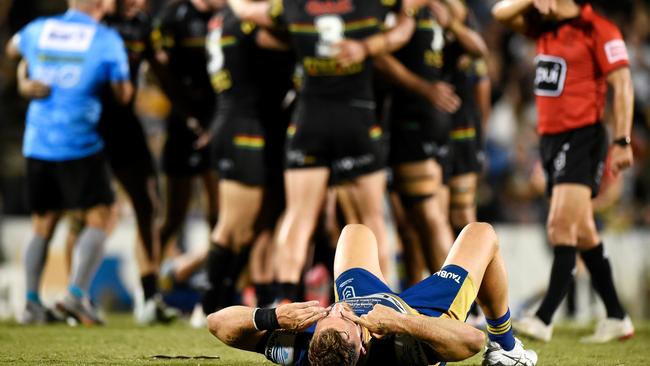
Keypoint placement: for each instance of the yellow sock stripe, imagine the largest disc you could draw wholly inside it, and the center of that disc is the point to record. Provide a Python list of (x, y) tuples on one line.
[(504, 328)]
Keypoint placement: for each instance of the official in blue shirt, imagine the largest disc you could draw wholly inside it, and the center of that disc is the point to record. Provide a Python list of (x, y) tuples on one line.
[(71, 58)]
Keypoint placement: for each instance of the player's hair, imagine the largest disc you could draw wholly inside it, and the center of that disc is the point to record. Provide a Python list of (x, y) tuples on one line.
[(328, 348)]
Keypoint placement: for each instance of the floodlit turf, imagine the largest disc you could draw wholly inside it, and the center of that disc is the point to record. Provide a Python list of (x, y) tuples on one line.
[(123, 343)]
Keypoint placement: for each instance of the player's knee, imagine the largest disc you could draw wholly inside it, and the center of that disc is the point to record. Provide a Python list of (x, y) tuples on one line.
[(485, 232), (561, 229), (353, 233)]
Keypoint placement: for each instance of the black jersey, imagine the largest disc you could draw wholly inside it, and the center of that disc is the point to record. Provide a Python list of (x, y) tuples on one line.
[(316, 26), (124, 139), (136, 34), (423, 55), (234, 62), (181, 31)]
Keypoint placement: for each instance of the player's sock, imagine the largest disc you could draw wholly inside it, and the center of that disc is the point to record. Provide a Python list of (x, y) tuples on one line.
[(87, 257), (149, 284), (264, 294), (601, 278), (564, 262), (500, 331), (35, 255), (218, 264), (288, 291)]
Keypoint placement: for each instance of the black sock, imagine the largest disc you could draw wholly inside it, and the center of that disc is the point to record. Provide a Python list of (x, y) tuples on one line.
[(149, 285), (218, 263), (564, 263), (288, 291), (264, 294), (601, 279)]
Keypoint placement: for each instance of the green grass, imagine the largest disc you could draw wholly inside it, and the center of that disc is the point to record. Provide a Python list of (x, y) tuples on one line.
[(123, 343)]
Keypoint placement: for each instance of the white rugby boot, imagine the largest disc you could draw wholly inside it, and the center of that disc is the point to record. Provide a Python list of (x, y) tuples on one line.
[(518, 356), (610, 329), (532, 327)]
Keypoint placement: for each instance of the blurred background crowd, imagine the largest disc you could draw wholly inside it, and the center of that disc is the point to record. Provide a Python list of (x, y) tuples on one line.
[(512, 190)]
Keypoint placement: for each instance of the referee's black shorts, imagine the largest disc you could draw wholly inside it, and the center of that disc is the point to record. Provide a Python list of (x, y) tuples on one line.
[(68, 185), (576, 156)]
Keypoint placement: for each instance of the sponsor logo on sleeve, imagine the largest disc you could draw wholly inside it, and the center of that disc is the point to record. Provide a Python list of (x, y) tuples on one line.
[(550, 75), (615, 51)]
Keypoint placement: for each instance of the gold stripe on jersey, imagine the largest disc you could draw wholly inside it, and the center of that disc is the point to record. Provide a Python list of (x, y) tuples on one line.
[(193, 42), (227, 41), (463, 301)]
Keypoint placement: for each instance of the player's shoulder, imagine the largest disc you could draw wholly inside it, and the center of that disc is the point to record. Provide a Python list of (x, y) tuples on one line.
[(108, 34), (600, 23)]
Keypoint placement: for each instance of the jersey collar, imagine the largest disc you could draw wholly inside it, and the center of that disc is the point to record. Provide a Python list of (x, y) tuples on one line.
[(73, 14)]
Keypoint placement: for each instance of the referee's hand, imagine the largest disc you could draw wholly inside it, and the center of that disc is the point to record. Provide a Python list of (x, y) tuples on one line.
[(621, 158)]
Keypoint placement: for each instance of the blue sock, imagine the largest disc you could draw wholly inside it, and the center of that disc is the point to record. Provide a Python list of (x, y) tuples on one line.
[(76, 291), (500, 331), (33, 297)]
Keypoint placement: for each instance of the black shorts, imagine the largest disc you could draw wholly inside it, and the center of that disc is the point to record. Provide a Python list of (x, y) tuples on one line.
[(576, 156), (179, 157), (125, 144), (467, 156), (68, 185), (342, 136), (239, 147)]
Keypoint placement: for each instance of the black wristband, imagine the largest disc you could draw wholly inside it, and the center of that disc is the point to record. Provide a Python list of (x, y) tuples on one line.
[(265, 319), (623, 141)]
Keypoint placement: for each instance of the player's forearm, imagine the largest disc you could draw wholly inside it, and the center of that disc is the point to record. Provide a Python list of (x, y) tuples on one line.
[(257, 12), (507, 10), (452, 340), (621, 82), (400, 74), (483, 95), (391, 40), (234, 327), (471, 41)]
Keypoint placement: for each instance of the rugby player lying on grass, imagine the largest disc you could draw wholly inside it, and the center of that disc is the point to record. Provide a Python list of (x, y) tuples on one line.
[(370, 324)]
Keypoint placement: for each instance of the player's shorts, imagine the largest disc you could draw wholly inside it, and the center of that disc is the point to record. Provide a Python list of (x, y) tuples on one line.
[(449, 292), (576, 156), (68, 185), (467, 154), (342, 136), (239, 146), (125, 144), (179, 157)]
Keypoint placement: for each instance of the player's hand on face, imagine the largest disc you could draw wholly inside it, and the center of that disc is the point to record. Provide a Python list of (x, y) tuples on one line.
[(298, 316), (380, 321), (33, 89), (350, 52), (443, 97), (621, 158)]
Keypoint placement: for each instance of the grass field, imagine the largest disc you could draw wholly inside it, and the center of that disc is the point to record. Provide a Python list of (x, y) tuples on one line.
[(123, 343)]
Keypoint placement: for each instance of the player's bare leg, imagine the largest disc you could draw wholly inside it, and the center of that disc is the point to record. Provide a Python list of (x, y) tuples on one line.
[(462, 208), (422, 183), (305, 190), (230, 241), (411, 246), (477, 251), (369, 192)]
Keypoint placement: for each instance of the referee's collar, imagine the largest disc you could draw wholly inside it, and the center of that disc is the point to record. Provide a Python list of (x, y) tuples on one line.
[(74, 14)]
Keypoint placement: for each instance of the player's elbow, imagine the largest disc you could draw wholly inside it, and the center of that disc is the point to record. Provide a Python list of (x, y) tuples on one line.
[(470, 341), (218, 326), (499, 13), (475, 342)]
